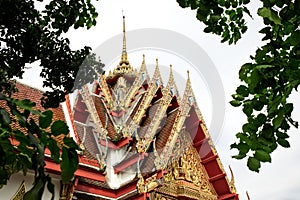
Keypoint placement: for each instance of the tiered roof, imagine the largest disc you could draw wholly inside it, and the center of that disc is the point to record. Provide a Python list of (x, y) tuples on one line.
[(140, 139), (144, 136)]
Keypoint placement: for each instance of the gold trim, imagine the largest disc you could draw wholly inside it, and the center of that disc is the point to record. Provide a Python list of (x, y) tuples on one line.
[(20, 192), (124, 65), (231, 183)]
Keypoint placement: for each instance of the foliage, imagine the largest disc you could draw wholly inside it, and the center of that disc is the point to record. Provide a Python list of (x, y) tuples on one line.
[(23, 142), (221, 17), (29, 35), (268, 80)]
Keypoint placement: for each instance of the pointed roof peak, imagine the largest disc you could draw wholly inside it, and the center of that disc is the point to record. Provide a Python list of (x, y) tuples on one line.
[(171, 77), (157, 76), (171, 86), (124, 51), (143, 59), (143, 68), (124, 65)]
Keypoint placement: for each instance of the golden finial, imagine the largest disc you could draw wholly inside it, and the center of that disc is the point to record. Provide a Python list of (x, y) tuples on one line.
[(188, 77), (143, 59), (124, 65), (171, 78), (156, 76), (124, 52)]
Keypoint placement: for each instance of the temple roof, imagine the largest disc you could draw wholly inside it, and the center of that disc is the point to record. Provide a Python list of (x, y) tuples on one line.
[(139, 137), (139, 124)]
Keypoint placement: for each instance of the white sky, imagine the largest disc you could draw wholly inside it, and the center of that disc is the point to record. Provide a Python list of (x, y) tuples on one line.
[(279, 180)]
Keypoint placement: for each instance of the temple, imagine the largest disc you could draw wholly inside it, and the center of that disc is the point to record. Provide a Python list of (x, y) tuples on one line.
[(141, 140)]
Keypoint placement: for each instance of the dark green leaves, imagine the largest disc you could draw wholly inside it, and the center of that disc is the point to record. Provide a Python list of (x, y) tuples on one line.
[(253, 164), (59, 127), (235, 103), (54, 149), (283, 143), (45, 119), (4, 117), (69, 164), (270, 14), (30, 151), (242, 90), (267, 84), (262, 156), (27, 35), (222, 17), (36, 192)]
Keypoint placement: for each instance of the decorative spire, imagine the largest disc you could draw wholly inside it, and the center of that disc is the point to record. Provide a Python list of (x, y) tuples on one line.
[(124, 52), (143, 59), (124, 65), (172, 85), (143, 69), (171, 78), (156, 76)]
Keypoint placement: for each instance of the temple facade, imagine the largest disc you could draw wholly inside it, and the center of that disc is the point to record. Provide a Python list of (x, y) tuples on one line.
[(141, 140)]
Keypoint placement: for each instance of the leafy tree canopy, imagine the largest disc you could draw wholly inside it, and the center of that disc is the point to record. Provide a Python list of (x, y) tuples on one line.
[(269, 79), (28, 35)]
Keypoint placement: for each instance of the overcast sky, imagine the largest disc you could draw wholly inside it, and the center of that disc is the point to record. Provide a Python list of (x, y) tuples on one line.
[(279, 180)]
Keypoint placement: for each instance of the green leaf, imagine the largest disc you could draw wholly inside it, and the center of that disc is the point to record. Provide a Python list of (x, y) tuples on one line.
[(34, 128), (182, 3), (239, 157), (282, 135), (237, 97), (24, 104), (4, 117), (54, 149), (21, 137), (284, 143), (26, 150), (36, 192), (242, 90), (288, 108), (235, 103), (261, 118), (59, 127), (243, 148), (295, 38), (248, 109), (253, 164), (68, 141), (267, 131), (69, 164), (262, 156), (270, 14), (254, 80), (257, 104), (45, 119), (277, 121), (273, 106)]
